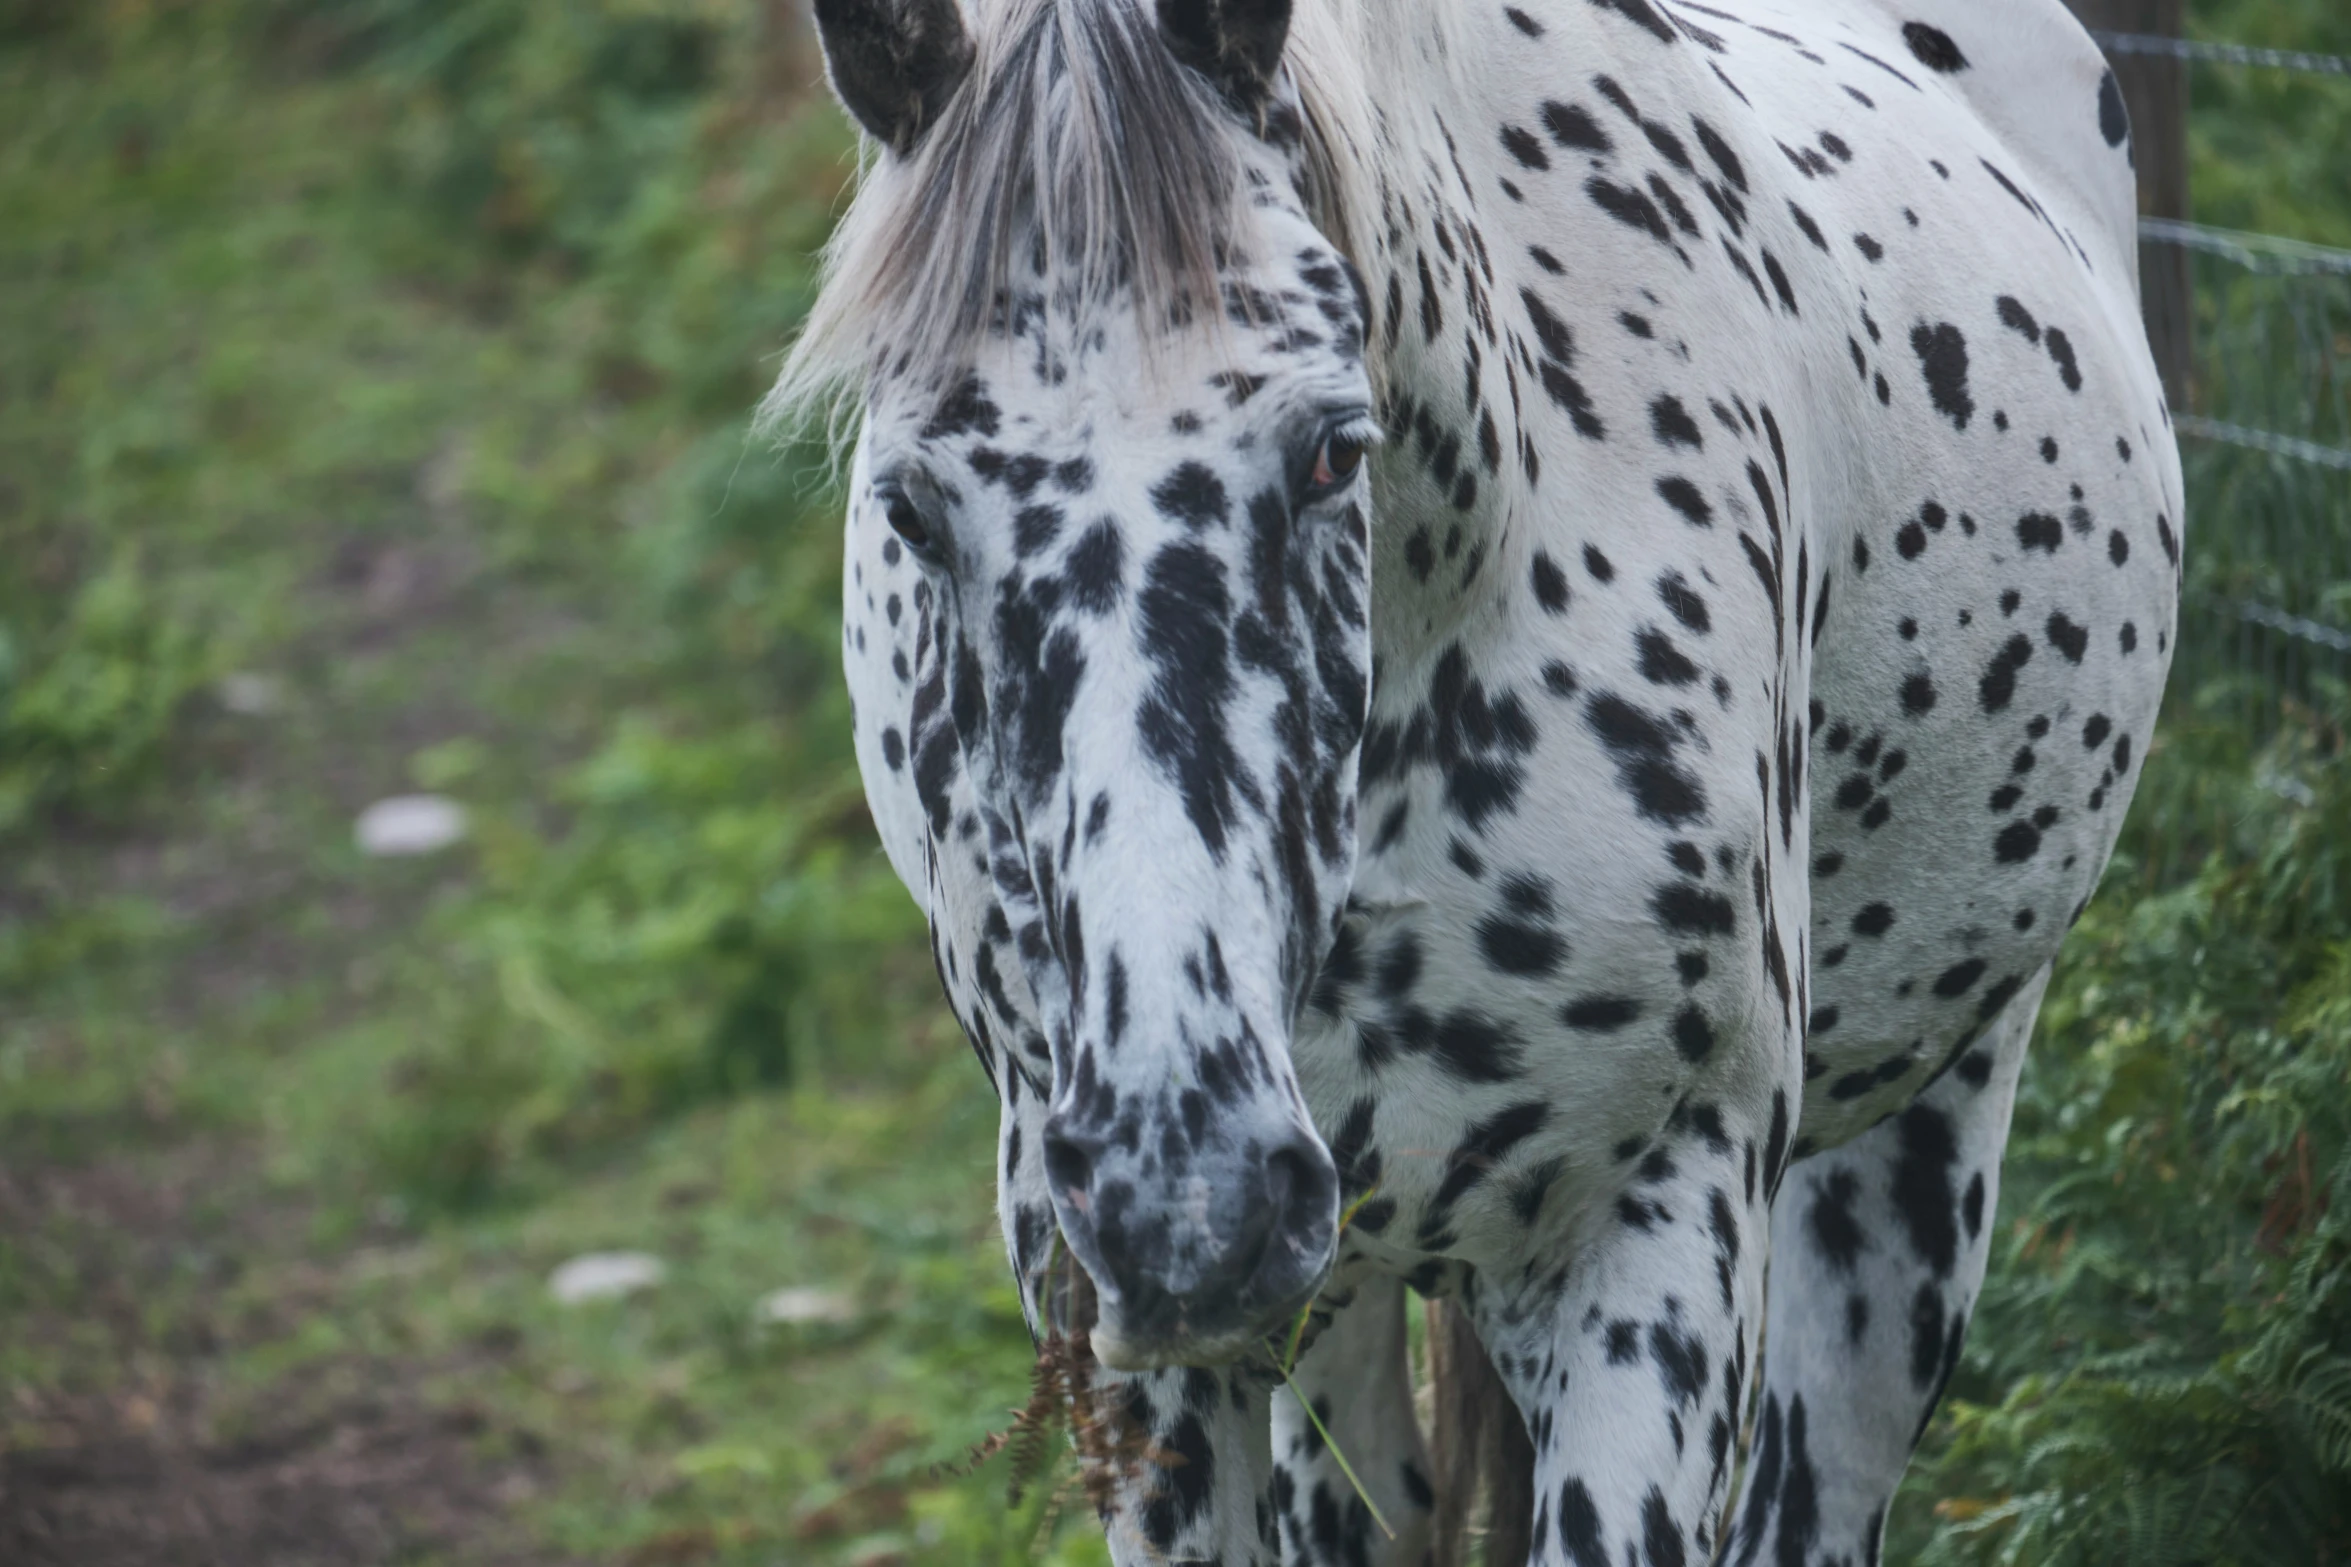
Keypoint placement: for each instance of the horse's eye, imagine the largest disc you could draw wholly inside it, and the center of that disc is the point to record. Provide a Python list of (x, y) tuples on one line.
[(1337, 462), (906, 520)]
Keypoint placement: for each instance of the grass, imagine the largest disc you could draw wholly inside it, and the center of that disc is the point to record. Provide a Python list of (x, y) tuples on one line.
[(288, 1130)]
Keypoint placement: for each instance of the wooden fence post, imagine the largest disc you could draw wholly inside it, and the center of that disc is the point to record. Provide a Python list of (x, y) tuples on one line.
[(2155, 90)]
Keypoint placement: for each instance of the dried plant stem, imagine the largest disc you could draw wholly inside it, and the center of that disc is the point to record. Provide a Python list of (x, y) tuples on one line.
[(1064, 1396)]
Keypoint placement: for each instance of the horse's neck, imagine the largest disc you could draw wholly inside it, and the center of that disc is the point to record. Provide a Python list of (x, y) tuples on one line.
[(1452, 461)]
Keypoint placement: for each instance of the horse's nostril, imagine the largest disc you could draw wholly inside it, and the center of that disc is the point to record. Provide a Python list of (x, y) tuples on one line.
[(1069, 1166), (1286, 1173), (1300, 1187)]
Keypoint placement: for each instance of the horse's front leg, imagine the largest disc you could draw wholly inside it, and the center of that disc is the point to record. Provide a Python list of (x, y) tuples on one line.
[(1362, 1450), (1629, 1364), (1177, 1461), (1878, 1260), (1189, 1483)]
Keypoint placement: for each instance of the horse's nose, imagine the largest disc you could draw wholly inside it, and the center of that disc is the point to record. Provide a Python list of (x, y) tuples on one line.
[(1301, 1217), (1204, 1265)]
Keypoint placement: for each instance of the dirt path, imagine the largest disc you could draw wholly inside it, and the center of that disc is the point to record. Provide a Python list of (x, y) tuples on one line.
[(176, 1459)]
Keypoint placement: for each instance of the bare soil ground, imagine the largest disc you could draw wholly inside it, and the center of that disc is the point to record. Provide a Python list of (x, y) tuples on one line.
[(174, 1462)]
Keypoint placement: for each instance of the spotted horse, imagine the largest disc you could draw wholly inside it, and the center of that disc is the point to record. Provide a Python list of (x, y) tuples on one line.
[(1517, 624)]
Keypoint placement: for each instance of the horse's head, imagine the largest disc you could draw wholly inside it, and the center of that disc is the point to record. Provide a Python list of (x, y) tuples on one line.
[(1116, 406)]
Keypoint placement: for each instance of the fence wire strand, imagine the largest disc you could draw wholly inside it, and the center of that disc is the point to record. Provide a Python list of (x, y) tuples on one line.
[(2270, 254), (2264, 441), (2222, 54), (2300, 626)]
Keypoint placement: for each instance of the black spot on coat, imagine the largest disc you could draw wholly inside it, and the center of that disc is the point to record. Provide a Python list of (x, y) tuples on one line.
[(1942, 360), (1933, 48)]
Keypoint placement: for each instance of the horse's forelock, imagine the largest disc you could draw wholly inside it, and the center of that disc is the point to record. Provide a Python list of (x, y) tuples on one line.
[(1075, 119)]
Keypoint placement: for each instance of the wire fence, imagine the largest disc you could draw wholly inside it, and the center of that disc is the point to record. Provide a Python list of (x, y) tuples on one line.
[(2220, 54), (2265, 427)]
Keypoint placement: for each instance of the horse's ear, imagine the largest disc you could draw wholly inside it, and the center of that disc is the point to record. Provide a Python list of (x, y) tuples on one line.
[(894, 63), (1237, 44)]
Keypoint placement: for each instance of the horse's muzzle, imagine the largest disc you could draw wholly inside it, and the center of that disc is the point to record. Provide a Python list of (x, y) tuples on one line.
[(1196, 1271)]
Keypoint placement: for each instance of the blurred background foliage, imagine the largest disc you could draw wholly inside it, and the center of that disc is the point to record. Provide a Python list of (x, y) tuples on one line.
[(2267, 145), (374, 393), (611, 209)]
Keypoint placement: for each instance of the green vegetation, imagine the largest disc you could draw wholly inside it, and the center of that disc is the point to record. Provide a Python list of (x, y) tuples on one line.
[(2160, 1369), (374, 382), (2267, 145), (373, 418)]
